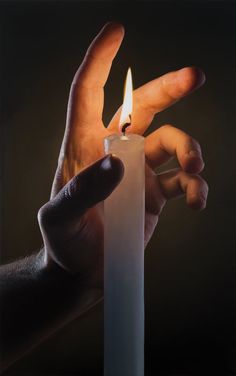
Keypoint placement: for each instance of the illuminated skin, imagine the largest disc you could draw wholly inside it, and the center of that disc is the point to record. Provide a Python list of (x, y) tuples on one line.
[(83, 145), (65, 278)]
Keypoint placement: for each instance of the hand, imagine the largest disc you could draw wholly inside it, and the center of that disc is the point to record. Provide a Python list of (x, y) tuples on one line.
[(72, 222)]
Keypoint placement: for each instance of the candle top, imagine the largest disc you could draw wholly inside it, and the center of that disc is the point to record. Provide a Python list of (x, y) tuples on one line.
[(126, 143)]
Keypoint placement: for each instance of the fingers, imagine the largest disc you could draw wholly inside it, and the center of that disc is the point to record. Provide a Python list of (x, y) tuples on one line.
[(175, 183), (85, 190), (159, 94), (169, 141), (86, 95)]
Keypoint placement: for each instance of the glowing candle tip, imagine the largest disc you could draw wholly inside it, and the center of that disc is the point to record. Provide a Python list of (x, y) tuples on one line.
[(126, 111)]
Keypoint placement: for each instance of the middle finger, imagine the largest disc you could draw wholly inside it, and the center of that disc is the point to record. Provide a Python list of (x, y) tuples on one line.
[(157, 95)]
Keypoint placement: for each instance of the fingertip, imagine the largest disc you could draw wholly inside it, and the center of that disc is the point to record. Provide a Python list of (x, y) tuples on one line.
[(111, 161), (191, 78), (114, 26), (96, 182), (118, 164), (114, 29), (197, 203), (192, 161), (108, 41), (113, 165), (193, 164)]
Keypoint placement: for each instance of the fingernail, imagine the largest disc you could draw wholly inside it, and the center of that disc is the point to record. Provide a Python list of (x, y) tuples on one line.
[(106, 163), (198, 201)]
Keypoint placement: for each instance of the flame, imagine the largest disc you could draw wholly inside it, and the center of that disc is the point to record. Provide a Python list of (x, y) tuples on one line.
[(126, 112)]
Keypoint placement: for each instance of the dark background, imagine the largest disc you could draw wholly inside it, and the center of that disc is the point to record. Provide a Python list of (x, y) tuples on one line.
[(191, 261)]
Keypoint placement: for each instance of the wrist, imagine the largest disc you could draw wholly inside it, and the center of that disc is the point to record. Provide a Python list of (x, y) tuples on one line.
[(89, 293)]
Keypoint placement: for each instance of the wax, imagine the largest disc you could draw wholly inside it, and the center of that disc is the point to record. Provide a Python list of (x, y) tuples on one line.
[(124, 212)]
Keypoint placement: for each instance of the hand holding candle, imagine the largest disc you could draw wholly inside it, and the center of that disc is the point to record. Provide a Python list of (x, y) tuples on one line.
[(72, 222), (83, 145)]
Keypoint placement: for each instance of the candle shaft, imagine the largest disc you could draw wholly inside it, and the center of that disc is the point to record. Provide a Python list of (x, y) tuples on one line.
[(124, 212)]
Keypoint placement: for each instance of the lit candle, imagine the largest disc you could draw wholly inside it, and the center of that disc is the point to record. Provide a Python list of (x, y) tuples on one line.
[(124, 213)]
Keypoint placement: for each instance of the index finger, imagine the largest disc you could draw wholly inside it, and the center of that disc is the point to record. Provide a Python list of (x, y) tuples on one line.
[(86, 94), (157, 95)]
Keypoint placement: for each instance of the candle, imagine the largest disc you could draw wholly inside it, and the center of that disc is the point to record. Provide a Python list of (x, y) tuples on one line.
[(124, 213)]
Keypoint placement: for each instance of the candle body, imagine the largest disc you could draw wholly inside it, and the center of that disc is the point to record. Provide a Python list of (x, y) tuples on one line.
[(124, 212)]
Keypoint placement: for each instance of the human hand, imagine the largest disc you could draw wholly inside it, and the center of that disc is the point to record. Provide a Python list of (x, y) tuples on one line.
[(72, 222)]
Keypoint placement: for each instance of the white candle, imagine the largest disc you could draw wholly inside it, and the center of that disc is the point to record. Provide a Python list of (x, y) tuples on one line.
[(124, 213)]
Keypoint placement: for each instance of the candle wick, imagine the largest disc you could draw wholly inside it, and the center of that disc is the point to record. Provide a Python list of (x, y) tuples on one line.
[(126, 125)]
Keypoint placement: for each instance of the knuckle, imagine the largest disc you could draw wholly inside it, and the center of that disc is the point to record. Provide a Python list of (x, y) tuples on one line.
[(42, 214), (45, 215), (200, 180), (196, 179), (181, 174), (167, 127)]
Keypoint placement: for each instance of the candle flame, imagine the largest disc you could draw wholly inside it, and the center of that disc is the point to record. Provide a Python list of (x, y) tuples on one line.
[(126, 112)]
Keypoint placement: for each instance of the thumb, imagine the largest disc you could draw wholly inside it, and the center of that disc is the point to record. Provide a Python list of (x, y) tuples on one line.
[(90, 186)]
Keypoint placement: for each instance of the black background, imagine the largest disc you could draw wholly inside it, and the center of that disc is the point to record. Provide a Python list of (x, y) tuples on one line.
[(190, 262)]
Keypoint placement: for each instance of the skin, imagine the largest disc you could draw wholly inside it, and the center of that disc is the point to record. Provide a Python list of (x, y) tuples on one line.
[(65, 278)]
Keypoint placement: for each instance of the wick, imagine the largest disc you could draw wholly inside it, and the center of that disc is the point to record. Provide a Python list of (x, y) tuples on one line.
[(126, 125)]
